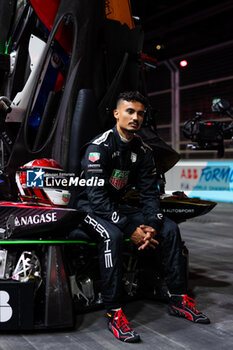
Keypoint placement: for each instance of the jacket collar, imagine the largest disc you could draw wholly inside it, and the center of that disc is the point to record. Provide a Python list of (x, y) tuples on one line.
[(118, 138)]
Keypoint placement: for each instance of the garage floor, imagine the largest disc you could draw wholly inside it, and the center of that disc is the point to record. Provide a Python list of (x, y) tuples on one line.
[(210, 242)]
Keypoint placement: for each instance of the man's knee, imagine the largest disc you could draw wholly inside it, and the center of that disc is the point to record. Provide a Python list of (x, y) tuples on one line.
[(115, 235), (170, 229), (104, 230)]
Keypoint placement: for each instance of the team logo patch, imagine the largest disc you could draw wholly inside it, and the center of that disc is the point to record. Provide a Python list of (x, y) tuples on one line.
[(115, 217), (133, 157), (119, 178), (93, 157), (160, 216)]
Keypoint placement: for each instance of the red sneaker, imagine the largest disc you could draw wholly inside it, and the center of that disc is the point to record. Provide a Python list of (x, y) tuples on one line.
[(183, 306), (119, 326)]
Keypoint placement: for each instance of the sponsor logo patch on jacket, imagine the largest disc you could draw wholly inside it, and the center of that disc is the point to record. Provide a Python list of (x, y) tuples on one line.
[(93, 157), (119, 178), (133, 157)]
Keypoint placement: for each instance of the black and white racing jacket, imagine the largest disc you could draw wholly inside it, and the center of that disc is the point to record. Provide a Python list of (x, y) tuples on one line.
[(119, 166)]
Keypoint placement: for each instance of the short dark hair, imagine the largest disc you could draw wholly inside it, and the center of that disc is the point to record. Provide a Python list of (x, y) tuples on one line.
[(131, 96)]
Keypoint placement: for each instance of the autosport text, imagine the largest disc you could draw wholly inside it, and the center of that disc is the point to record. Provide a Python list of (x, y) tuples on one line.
[(178, 210)]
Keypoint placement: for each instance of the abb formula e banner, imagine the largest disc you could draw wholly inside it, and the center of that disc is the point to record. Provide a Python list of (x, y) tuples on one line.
[(211, 180)]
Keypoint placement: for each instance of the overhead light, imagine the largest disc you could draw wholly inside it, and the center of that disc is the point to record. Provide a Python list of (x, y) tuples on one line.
[(183, 63), (159, 46)]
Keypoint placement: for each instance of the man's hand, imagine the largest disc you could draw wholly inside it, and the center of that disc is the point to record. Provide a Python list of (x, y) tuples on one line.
[(150, 234), (143, 237), (147, 229)]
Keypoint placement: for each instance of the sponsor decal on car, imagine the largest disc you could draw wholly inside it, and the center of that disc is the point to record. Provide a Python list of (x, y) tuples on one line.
[(35, 219), (66, 198), (6, 310)]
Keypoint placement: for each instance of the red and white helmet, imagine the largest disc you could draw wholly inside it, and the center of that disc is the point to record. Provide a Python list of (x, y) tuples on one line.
[(30, 180)]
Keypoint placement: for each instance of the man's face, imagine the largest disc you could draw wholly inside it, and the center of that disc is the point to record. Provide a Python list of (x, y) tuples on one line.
[(129, 116)]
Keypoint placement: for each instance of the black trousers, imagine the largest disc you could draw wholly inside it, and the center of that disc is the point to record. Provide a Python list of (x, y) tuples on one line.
[(111, 242)]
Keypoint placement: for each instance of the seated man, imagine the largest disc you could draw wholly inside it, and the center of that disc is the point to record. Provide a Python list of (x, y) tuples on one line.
[(121, 159)]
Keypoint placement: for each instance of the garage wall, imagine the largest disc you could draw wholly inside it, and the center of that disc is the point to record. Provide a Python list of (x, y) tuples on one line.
[(178, 93)]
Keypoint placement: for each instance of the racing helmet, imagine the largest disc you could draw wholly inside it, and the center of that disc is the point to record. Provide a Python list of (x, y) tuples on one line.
[(41, 181)]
